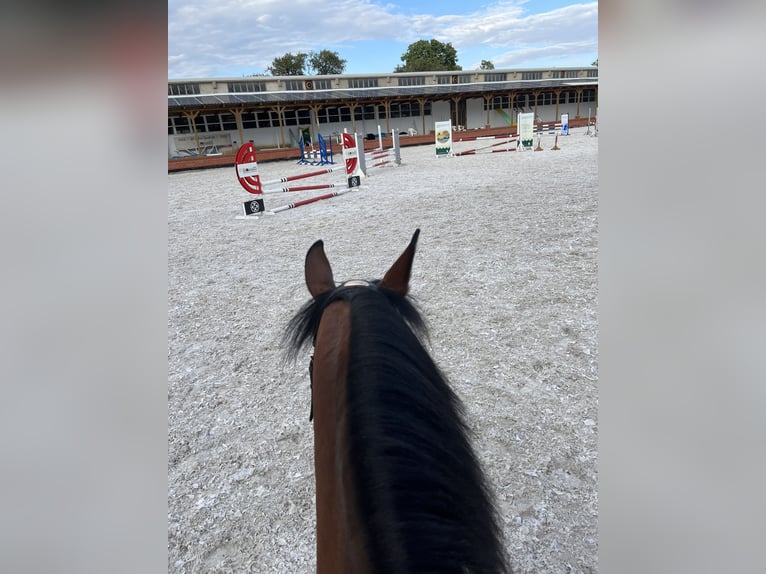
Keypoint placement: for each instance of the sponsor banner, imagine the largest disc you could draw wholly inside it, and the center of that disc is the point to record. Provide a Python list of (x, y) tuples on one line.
[(526, 129), (564, 124), (443, 138)]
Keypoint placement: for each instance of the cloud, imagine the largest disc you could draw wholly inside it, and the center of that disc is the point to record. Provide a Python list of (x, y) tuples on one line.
[(237, 37)]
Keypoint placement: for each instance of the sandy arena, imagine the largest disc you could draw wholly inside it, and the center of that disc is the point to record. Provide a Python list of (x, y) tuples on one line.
[(506, 277)]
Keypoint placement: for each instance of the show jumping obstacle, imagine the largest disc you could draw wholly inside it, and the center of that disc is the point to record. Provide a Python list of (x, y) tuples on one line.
[(445, 139), (551, 127), (380, 157), (247, 174), (315, 156), (509, 142)]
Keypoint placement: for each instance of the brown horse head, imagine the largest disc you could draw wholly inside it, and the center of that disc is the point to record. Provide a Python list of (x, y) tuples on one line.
[(398, 486)]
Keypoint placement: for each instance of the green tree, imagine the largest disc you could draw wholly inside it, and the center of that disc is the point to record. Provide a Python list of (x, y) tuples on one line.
[(326, 62), (595, 63), (429, 56), (486, 65), (289, 65)]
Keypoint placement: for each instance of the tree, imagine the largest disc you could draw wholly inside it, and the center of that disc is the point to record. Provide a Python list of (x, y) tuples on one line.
[(486, 65), (595, 63), (302, 64), (429, 56), (326, 62), (289, 65)]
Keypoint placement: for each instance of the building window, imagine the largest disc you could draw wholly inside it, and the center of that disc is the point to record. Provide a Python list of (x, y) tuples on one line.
[(318, 84), (294, 117), (593, 73), (364, 112), (345, 114), (497, 103), (249, 120), (546, 99), (495, 77), (328, 116), (179, 125), (571, 73), (363, 83), (589, 95), (265, 119), (228, 121), (290, 118), (555, 74), (455, 79), (408, 109), (412, 81), (212, 122), (238, 87), (304, 116), (294, 85), (381, 112), (531, 75), (183, 89)]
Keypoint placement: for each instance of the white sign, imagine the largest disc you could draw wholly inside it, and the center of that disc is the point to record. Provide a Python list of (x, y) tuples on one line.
[(526, 123), (443, 138)]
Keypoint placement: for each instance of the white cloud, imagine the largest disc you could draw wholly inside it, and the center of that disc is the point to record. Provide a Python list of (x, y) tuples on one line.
[(235, 37)]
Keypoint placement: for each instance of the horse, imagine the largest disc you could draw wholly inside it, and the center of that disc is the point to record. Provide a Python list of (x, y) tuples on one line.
[(399, 488)]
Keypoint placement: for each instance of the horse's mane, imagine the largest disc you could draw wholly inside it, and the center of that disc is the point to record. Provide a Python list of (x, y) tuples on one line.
[(420, 489)]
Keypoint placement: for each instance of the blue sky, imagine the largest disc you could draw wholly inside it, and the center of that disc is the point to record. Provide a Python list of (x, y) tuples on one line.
[(235, 38)]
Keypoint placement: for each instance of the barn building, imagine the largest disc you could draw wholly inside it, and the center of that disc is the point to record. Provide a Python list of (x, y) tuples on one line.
[(216, 115)]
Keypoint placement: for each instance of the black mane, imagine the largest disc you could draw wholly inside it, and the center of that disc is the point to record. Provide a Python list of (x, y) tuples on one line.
[(420, 489)]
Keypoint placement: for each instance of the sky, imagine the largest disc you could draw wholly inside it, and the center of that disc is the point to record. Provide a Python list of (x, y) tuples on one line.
[(236, 38)]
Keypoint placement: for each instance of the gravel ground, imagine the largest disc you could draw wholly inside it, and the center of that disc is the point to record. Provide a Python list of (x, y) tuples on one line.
[(506, 275)]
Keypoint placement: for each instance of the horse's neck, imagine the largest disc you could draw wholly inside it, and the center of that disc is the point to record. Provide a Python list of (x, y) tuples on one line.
[(340, 539)]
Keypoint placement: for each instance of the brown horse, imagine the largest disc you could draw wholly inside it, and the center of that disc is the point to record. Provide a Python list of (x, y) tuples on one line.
[(398, 486)]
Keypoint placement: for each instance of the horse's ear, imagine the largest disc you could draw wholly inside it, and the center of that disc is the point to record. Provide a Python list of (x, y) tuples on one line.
[(319, 278), (397, 279)]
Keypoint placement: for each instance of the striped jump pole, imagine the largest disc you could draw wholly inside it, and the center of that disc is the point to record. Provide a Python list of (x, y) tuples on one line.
[(476, 138), (308, 201), (302, 176), (549, 127), (511, 141)]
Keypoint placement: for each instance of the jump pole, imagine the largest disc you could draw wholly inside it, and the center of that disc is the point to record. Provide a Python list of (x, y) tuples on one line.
[(379, 157), (511, 140), (307, 201)]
